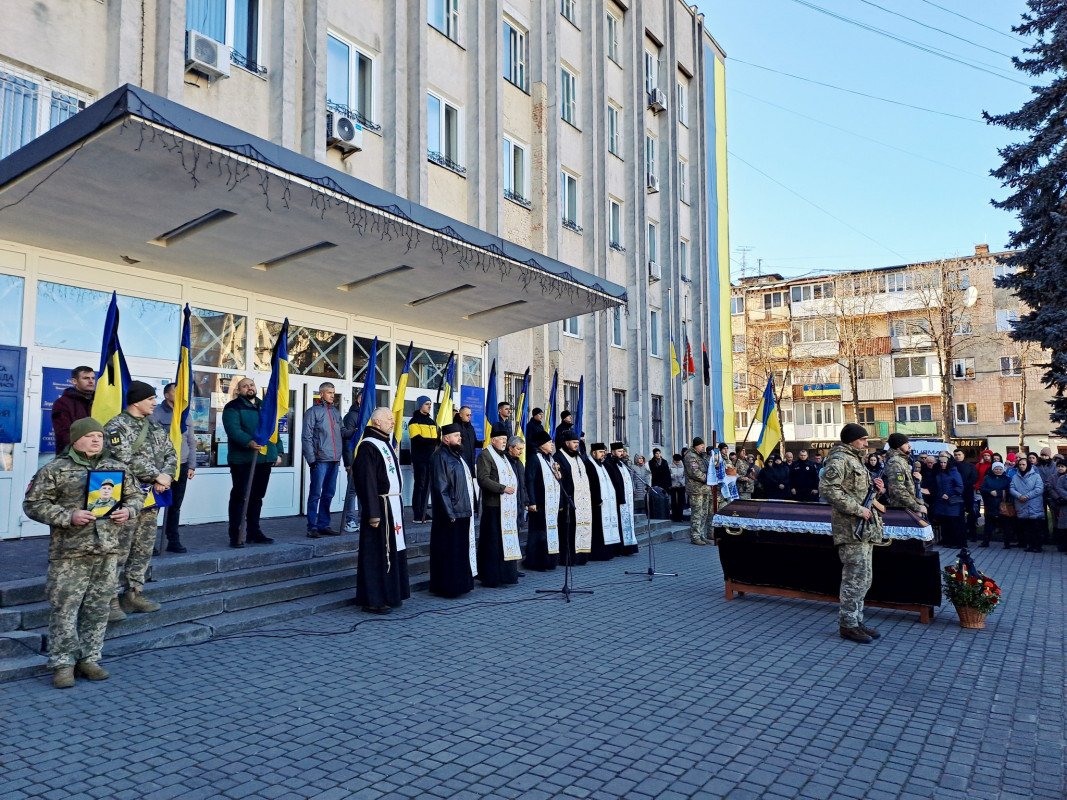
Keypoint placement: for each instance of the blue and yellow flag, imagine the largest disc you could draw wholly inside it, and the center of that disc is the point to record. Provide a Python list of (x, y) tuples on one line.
[(445, 408), (183, 390), (113, 379), (398, 398), (275, 404), (580, 411), (522, 411), (491, 414), (676, 368), (771, 434), (552, 405), (367, 398)]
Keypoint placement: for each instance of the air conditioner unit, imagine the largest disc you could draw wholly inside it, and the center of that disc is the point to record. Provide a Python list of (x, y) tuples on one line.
[(654, 273), (206, 56), (657, 100), (343, 133), (652, 182)]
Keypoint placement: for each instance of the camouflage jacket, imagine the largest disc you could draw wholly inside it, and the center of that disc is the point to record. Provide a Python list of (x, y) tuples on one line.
[(899, 486), (145, 456), (745, 480), (60, 488), (696, 472), (844, 485)]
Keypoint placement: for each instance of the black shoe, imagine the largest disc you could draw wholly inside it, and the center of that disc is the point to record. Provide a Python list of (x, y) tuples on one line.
[(521, 574), (855, 635), (328, 532), (236, 544), (176, 547), (260, 539), (313, 534), (984, 544)]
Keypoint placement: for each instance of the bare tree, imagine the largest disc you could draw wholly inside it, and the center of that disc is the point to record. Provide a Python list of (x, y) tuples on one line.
[(769, 350), (1027, 353)]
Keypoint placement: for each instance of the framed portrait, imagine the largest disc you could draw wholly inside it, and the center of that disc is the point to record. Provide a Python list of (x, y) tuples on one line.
[(104, 492)]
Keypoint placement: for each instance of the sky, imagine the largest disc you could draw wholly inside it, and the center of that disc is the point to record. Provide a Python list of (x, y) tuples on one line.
[(821, 179)]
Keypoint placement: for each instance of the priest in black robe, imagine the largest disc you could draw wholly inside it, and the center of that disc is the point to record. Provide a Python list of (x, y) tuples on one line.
[(493, 569), (568, 459), (599, 551), (381, 570), (537, 556), (452, 491), (616, 465)]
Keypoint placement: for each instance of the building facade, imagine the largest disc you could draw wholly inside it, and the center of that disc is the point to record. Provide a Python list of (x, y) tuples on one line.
[(923, 349), (540, 183)]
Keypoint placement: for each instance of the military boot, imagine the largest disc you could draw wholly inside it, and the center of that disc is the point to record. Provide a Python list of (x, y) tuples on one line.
[(870, 632), (115, 612), (698, 540), (855, 634), (91, 670), (135, 602), (63, 678)]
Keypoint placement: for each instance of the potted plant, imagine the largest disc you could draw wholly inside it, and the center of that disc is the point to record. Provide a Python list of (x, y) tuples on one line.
[(973, 594)]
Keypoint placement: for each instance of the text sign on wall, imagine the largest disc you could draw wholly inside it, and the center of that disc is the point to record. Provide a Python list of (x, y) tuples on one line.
[(474, 397), (55, 381), (12, 392)]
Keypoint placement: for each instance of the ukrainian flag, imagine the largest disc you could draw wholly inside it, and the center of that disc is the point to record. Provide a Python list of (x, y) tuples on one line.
[(520, 412), (275, 404), (580, 411), (367, 397), (114, 376), (552, 405), (676, 368), (771, 434), (183, 390), (398, 398), (491, 415), (445, 409)]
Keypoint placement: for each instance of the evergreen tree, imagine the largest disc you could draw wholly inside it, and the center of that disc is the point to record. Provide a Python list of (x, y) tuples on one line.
[(1035, 172)]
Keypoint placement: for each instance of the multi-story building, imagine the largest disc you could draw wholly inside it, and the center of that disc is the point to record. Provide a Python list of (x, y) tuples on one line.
[(923, 349), (540, 182)]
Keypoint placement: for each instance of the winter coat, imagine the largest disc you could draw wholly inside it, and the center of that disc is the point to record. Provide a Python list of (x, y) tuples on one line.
[(349, 426), (969, 476), (771, 477), (983, 467), (469, 440), (661, 474), (240, 418), (696, 472), (992, 483), (449, 484), (1057, 494), (422, 433), (844, 484), (142, 445), (69, 407), (321, 438), (1030, 486), (804, 481), (948, 482), (1047, 471)]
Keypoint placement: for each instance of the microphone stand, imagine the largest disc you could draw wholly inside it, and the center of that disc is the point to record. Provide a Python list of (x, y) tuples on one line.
[(566, 591), (651, 572)]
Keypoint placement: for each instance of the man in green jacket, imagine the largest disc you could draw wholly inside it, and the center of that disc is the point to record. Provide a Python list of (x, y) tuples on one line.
[(82, 553), (240, 417)]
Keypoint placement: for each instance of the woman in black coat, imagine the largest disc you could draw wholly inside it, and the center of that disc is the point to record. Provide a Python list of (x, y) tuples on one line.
[(775, 479)]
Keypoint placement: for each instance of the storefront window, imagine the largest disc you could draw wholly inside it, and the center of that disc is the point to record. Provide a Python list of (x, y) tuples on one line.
[(322, 354), (427, 367), (211, 392), (11, 301), (360, 357), (219, 339), (72, 318)]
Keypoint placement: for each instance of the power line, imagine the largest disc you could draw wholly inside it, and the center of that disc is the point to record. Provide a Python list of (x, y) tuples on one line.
[(932, 28), (973, 21), (975, 120), (980, 66), (814, 205)]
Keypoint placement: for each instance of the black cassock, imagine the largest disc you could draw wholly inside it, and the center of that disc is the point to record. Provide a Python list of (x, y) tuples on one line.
[(568, 528), (537, 556), (615, 468), (599, 551), (450, 566), (380, 581)]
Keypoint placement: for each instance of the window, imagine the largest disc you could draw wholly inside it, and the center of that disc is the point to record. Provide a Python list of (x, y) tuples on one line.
[(963, 369), (773, 300), (816, 413), (811, 291), (868, 369), (913, 367), (917, 413), (740, 420), (613, 25), (515, 55), (513, 388), (616, 328), (568, 96), (1011, 366), (350, 81), (1012, 412), (614, 224), (570, 397), (653, 242), (653, 332), (959, 280), (966, 413), (650, 154), (651, 71), (516, 187), (782, 377), (361, 358), (737, 304), (1003, 271), (219, 339), (233, 22), (963, 327), (572, 327), (323, 354), (739, 343), (11, 290), (816, 330), (569, 201), (777, 339), (866, 415), (683, 180), (657, 419), (444, 16), (614, 130), (567, 9), (739, 381), (30, 106), (683, 102), (618, 415), (1006, 320), (683, 258), (443, 145)]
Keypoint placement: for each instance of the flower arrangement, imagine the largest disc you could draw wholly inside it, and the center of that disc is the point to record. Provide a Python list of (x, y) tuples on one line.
[(970, 588)]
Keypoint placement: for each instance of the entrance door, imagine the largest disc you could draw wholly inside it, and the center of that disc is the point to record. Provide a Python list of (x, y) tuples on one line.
[(308, 390)]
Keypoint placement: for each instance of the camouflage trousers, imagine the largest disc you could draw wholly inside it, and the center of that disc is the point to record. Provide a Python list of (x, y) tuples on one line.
[(855, 581), (700, 517), (78, 590), (137, 542)]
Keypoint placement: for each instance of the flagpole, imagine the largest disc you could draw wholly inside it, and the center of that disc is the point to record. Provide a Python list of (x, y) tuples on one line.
[(670, 368)]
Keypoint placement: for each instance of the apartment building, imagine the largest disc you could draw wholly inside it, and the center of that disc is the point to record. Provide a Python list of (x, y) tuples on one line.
[(923, 349), (540, 183)]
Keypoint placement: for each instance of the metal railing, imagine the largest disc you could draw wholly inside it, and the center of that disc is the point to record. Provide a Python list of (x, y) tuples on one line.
[(442, 160), (351, 113)]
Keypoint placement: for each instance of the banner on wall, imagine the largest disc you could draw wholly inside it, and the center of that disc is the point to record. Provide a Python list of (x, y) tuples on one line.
[(55, 381), (474, 397), (12, 391)]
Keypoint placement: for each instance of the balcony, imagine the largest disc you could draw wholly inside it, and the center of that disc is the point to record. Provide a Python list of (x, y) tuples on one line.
[(925, 428)]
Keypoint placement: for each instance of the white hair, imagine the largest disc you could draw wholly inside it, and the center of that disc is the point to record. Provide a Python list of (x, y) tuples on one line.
[(379, 413)]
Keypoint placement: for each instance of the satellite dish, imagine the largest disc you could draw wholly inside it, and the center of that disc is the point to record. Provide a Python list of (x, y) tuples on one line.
[(970, 297)]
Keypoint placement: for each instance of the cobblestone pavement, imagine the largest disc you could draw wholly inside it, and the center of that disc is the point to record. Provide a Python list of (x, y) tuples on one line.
[(642, 690)]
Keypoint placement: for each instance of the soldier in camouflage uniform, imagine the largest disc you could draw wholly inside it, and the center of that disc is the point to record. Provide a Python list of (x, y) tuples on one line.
[(81, 553), (899, 485), (146, 450), (696, 464), (844, 484)]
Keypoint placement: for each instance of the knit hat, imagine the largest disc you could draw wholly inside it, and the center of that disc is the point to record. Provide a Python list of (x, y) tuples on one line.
[(852, 432), (540, 438), (1012, 458), (997, 465), (452, 427), (896, 440), (420, 401), (537, 411), (564, 415), (138, 391), (82, 426), (697, 441)]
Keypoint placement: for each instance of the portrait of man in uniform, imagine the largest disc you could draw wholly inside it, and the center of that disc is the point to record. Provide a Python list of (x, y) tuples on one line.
[(104, 492)]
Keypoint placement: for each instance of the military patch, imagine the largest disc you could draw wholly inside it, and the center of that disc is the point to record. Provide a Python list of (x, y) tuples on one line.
[(900, 478), (831, 472), (116, 439)]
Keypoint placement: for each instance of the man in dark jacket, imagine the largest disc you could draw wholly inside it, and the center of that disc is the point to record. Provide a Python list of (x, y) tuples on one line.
[(804, 480), (422, 434), (661, 471), (536, 424), (349, 427), (468, 434), (75, 403), (452, 568), (969, 475), (565, 426)]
